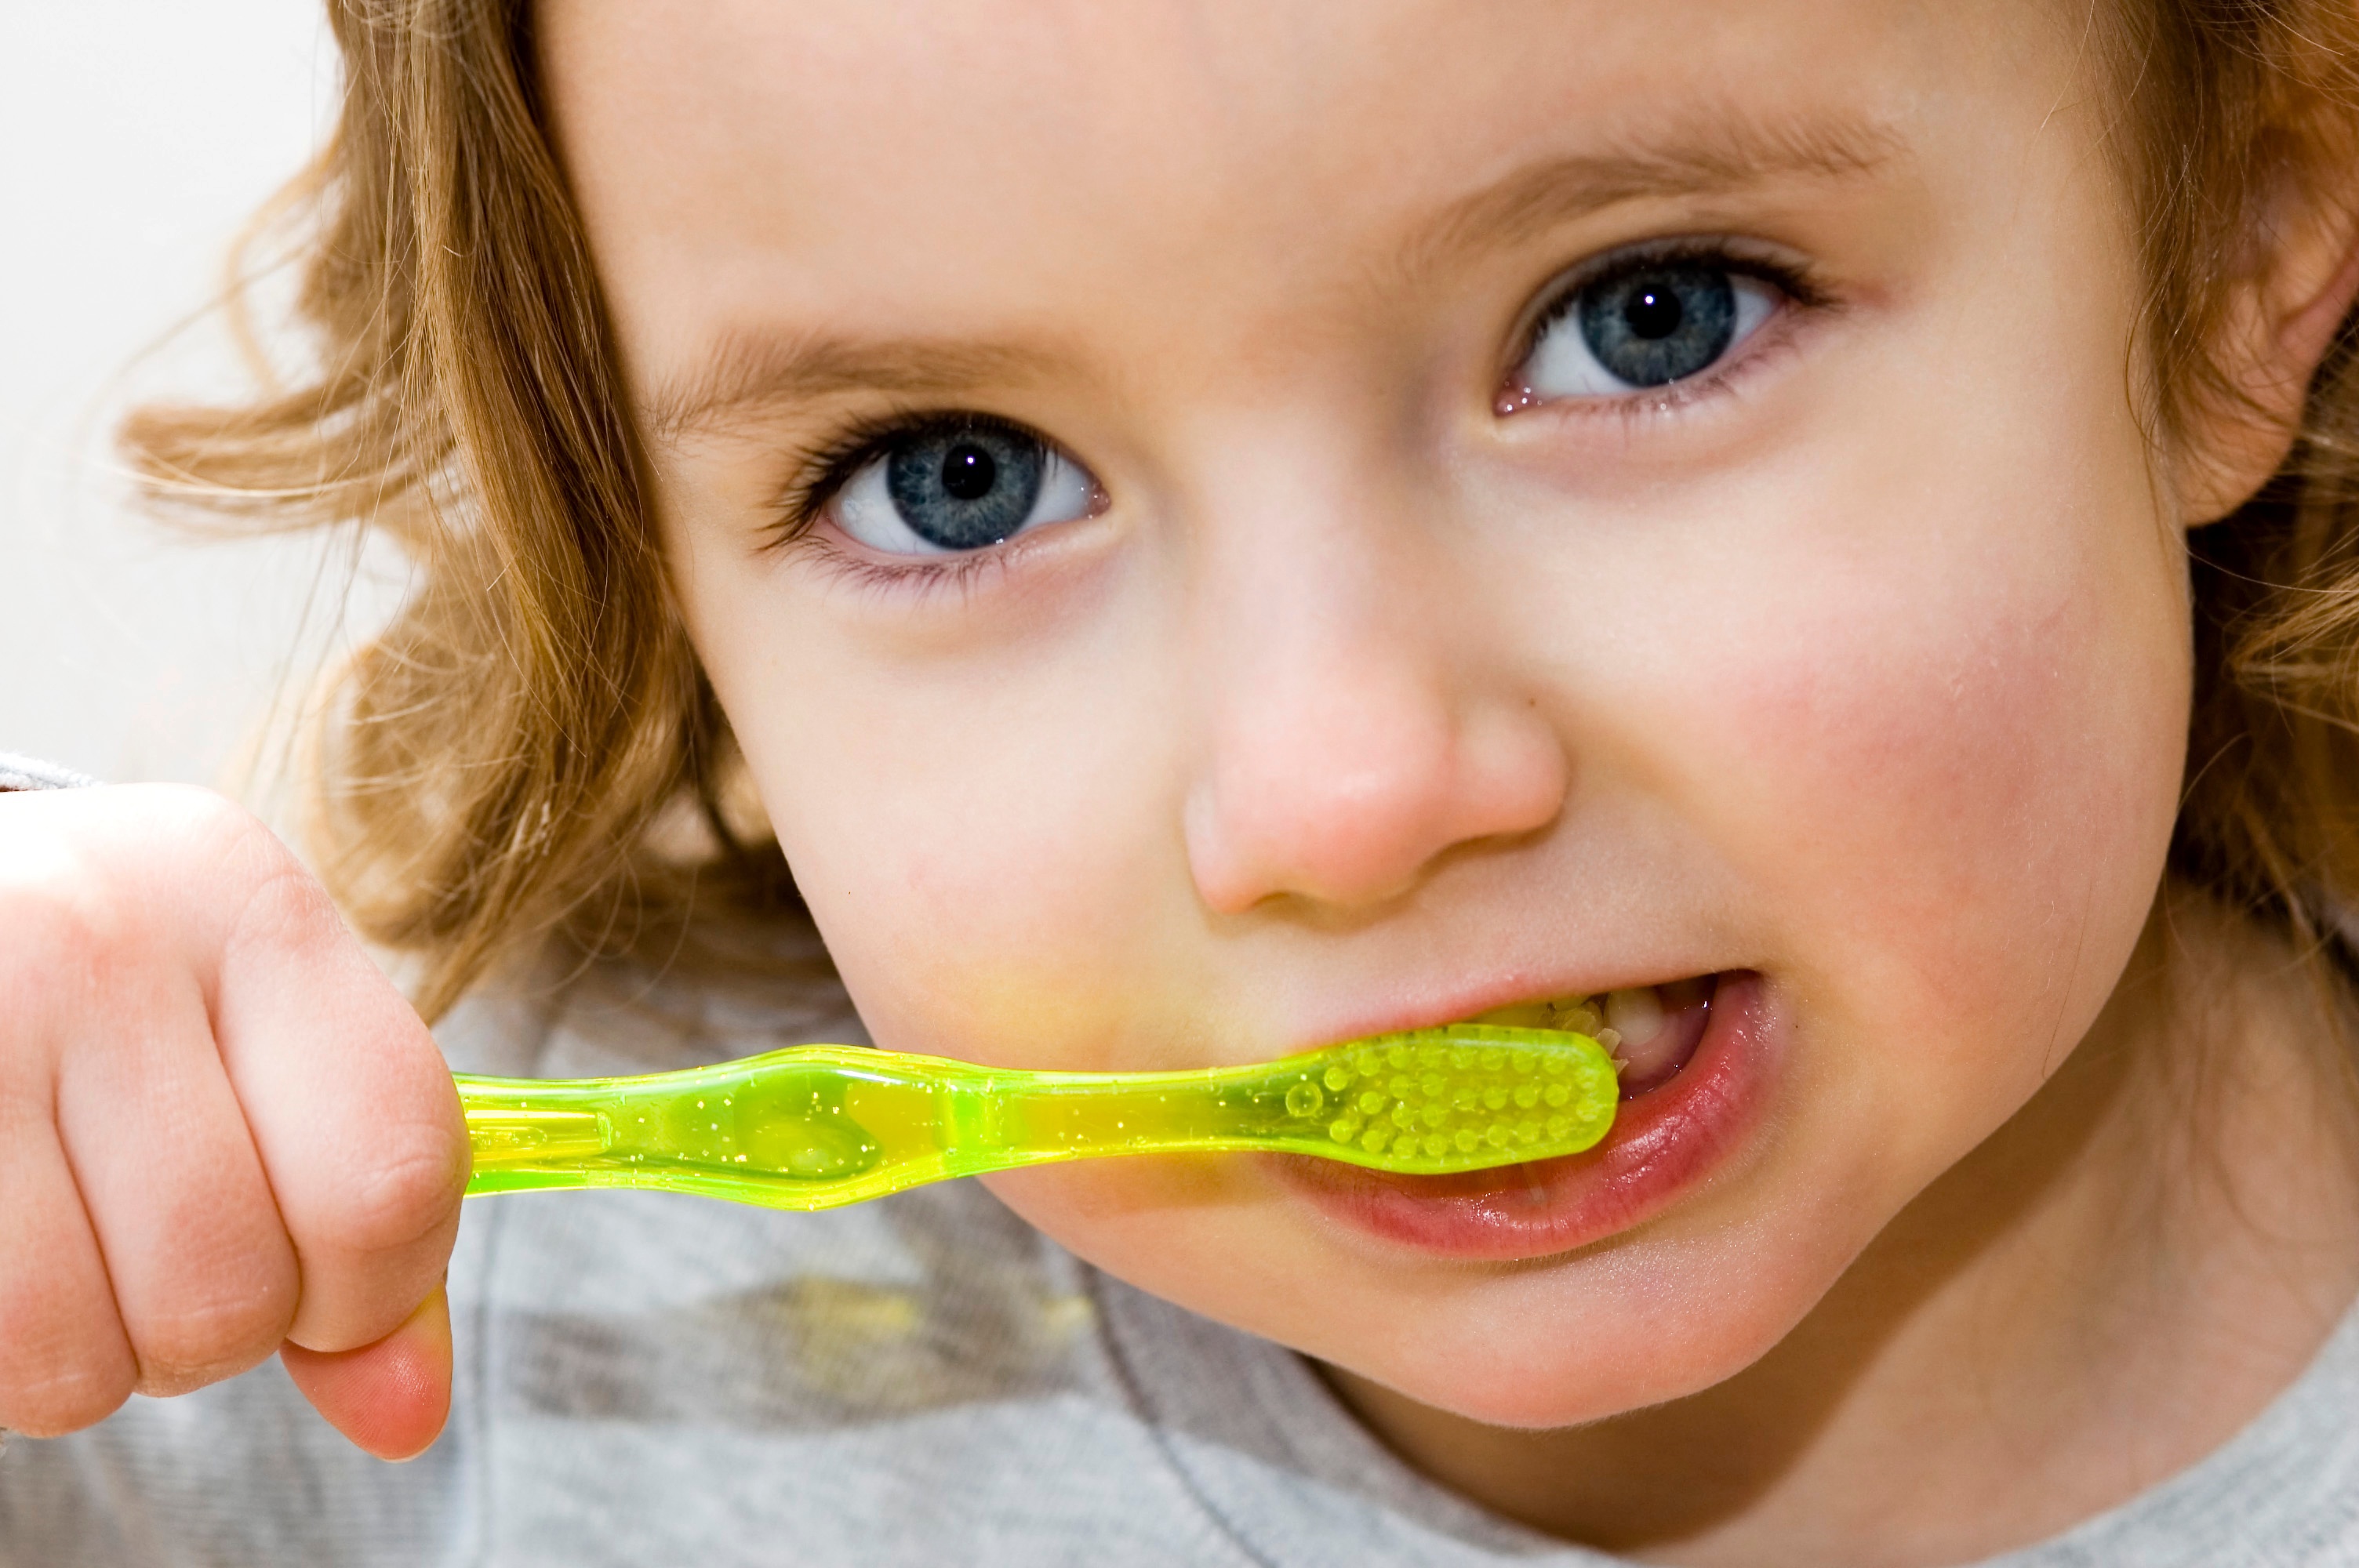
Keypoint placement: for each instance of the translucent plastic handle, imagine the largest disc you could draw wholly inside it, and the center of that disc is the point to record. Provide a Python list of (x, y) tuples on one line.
[(806, 1127)]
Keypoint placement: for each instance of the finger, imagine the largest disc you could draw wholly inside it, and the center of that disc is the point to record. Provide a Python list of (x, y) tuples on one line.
[(205, 1279), (64, 1360), (390, 1398), (353, 1113)]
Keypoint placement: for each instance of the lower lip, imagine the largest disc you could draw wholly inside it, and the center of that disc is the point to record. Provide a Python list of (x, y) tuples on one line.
[(1663, 1143)]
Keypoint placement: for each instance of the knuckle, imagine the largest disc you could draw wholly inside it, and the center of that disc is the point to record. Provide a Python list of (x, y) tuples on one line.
[(96, 886), (202, 1341), (404, 1197), (71, 907), (57, 1402), (208, 822), (176, 845), (57, 1376), (64, 952), (279, 906), (253, 874)]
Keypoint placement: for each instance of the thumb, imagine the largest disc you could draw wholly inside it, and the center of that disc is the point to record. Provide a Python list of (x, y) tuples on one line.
[(390, 1398)]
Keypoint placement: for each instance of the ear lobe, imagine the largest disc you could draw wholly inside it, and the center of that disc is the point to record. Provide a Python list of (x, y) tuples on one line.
[(2281, 325)]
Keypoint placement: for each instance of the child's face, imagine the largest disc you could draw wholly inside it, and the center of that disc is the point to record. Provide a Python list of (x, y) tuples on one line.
[(1370, 647)]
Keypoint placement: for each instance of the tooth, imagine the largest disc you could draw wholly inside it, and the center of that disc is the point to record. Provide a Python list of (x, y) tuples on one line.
[(1577, 1015), (1635, 1015)]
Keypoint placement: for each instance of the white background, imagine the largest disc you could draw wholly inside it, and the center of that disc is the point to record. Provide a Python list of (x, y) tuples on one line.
[(135, 137)]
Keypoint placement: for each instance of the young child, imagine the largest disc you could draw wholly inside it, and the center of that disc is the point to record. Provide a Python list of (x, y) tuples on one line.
[(1203, 530)]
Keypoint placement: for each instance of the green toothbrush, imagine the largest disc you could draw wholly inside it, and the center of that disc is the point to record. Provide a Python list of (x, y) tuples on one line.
[(817, 1126)]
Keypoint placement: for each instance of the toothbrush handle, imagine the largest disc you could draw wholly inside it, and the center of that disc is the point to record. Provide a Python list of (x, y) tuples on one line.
[(534, 1135), (806, 1128)]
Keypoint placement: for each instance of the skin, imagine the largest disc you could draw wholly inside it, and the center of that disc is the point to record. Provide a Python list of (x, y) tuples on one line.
[(1361, 703)]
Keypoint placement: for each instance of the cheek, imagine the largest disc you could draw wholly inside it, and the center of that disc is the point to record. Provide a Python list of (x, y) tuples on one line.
[(982, 869), (1964, 793)]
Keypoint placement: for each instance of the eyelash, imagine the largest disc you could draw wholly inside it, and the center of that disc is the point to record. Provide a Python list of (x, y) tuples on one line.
[(927, 575), (827, 467)]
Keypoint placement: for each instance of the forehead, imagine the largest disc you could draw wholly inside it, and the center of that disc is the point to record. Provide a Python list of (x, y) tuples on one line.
[(1019, 157)]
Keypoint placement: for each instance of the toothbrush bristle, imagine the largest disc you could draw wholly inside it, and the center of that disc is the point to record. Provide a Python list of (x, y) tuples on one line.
[(1459, 1098)]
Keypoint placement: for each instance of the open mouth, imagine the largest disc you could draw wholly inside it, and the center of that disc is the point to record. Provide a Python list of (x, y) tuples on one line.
[(1695, 1057), (1651, 1031)]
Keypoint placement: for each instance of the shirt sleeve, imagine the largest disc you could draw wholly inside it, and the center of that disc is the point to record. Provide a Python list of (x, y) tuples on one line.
[(30, 772)]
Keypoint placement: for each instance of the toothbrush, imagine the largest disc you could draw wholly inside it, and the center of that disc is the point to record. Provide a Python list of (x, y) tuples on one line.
[(818, 1126)]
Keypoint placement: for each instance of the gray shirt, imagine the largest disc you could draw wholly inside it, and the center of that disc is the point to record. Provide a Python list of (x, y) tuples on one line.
[(647, 1379)]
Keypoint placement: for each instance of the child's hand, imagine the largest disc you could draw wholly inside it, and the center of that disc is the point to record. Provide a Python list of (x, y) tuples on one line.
[(222, 1132)]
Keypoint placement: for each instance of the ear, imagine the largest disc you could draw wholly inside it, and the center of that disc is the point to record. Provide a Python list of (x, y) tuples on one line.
[(2301, 275)]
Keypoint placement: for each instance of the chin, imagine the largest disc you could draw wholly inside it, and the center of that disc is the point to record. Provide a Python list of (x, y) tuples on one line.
[(1643, 1324)]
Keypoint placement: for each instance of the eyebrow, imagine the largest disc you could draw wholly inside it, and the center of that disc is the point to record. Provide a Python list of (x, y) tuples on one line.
[(1705, 156), (751, 373)]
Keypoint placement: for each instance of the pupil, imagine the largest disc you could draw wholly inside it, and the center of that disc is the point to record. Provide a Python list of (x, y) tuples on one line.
[(968, 472), (1653, 313)]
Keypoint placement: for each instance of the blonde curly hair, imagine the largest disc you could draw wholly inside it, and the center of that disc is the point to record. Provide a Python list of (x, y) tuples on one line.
[(499, 765)]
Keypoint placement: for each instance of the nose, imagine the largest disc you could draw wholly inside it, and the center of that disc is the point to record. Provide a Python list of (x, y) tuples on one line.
[(1360, 721)]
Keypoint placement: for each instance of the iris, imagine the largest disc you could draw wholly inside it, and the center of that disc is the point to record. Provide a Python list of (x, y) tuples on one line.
[(967, 487), (1660, 322)]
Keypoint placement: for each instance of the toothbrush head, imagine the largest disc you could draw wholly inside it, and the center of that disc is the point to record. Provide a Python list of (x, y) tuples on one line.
[(1459, 1098)]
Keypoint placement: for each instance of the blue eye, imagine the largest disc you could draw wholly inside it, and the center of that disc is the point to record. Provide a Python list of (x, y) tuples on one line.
[(1644, 326), (960, 487)]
